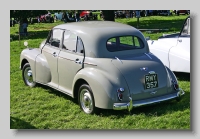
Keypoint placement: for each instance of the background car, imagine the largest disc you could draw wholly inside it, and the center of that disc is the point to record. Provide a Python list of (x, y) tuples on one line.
[(164, 12), (174, 49), (47, 18), (59, 16), (102, 64), (178, 12)]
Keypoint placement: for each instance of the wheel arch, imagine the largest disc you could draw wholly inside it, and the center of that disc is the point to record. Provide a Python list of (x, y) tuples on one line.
[(23, 62), (77, 85)]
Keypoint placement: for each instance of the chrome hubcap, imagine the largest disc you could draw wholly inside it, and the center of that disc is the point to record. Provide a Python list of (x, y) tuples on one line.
[(86, 101), (28, 76)]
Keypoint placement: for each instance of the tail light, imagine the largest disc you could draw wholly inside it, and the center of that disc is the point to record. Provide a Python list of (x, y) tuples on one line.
[(175, 85), (120, 93)]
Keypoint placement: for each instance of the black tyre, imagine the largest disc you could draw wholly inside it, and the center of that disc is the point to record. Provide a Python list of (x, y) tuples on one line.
[(27, 75), (86, 99)]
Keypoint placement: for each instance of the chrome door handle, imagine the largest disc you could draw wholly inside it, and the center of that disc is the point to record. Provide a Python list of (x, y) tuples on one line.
[(77, 61), (54, 54), (180, 40)]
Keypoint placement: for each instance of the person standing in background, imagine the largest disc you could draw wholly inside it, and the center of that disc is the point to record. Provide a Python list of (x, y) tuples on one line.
[(55, 18), (131, 13), (64, 17), (38, 19), (25, 25), (77, 16)]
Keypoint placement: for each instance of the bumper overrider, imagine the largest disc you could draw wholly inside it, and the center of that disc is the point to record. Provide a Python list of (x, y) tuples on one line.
[(129, 106)]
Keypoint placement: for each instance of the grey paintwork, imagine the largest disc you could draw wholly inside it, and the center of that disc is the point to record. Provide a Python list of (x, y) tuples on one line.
[(100, 68), (96, 33)]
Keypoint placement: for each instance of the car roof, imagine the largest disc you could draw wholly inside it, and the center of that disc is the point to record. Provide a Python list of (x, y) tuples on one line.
[(92, 24), (102, 27), (95, 34)]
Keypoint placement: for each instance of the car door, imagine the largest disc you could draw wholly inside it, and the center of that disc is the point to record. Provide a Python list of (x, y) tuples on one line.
[(179, 56), (51, 51), (70, 60)]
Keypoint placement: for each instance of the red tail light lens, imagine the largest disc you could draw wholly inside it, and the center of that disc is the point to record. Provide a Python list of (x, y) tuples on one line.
[(120, 93), (120, 96), (175, 85)]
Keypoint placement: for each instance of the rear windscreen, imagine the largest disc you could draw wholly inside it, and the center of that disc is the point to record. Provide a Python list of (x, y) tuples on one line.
[(122, 43)]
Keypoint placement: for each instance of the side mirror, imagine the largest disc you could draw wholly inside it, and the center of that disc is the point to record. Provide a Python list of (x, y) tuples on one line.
[(55, 43)]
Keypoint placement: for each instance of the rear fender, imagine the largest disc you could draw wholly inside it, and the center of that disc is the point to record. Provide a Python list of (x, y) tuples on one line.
[(171, 79), (103, 86), (172, 75)]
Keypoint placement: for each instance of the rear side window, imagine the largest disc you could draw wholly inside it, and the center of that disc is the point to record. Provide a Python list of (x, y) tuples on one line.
[(72, 42), (69, 41), (124, 43)]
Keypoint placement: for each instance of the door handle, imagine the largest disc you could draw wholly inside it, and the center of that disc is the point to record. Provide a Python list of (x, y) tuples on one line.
[(54, 54), (77, 61), (180, 40)]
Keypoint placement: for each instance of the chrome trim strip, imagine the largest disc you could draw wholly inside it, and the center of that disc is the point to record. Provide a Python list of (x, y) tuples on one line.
[(131, 104), (65, 58), (144, 68), (153, 93), (152, 72), (148, 55), (90, 64)]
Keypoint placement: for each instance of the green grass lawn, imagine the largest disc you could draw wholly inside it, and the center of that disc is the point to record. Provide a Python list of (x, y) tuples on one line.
[(45, 108)]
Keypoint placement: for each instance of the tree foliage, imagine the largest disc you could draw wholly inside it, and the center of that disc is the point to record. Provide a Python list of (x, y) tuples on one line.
[(108, 15), (21, 14)]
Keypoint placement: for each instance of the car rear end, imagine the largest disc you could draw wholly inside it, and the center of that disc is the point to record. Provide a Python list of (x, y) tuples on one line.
[(149, 81)]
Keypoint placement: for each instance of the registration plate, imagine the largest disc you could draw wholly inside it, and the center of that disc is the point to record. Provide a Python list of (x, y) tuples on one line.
[(151, 81)]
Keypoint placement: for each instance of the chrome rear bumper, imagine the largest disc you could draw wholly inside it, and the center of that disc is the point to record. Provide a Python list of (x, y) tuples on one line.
[(129, 106)]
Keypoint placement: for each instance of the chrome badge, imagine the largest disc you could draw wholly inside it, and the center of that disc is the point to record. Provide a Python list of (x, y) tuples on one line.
[(153, 93), (144, 68)]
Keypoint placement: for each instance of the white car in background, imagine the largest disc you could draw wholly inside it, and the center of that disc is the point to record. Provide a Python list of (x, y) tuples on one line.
[(174, 49)]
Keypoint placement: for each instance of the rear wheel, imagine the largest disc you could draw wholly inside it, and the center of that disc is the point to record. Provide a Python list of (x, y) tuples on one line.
[(27, 75), (86, 99)]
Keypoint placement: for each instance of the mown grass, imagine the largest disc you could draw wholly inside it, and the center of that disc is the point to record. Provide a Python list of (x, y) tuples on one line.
[(45, 108)]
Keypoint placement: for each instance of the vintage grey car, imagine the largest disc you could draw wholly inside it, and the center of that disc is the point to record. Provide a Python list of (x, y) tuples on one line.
[(102, 64)]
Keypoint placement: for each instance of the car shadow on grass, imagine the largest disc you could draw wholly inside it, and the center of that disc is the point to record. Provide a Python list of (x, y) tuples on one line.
[(16, 123), (57, 93)]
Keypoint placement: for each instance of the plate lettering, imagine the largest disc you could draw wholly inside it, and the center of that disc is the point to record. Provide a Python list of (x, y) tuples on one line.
[(151, 81)]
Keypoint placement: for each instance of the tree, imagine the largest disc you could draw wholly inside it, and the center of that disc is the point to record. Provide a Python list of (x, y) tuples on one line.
[(108, 15), (21, 14)]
